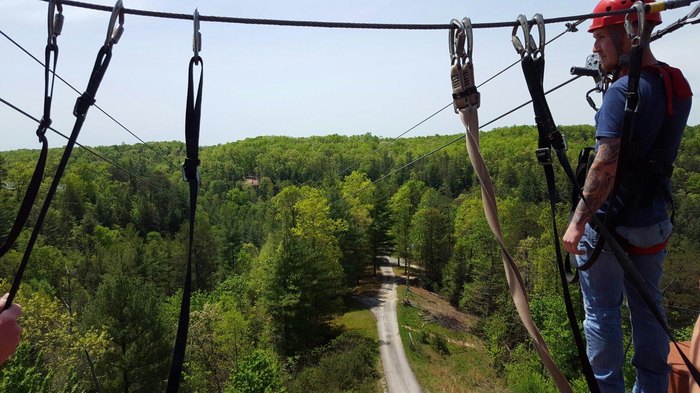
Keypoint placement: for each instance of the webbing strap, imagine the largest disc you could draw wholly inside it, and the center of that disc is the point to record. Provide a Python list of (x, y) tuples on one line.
[(191, 175), (515, 282), (533, 65), (80, 110), (462, 75), (30, 195)]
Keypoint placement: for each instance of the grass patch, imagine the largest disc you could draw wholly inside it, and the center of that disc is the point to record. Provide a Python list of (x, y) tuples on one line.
[(358, 319), (444, 360)]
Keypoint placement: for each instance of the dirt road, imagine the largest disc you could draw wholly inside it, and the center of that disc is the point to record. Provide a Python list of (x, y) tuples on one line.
[(398, 374)]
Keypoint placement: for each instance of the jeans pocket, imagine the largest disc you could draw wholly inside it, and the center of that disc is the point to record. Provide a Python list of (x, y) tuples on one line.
[(646, 236)]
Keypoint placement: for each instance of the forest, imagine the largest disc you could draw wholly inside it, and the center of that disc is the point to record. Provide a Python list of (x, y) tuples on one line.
[(286, 229)]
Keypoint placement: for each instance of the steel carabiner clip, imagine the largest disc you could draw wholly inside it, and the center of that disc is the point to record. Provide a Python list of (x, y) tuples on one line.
[(115, 32), (196, 37), (55, 21), (456, 37), (528, 46), (461, 34), (635, 36), (538, 51), (464, 91)]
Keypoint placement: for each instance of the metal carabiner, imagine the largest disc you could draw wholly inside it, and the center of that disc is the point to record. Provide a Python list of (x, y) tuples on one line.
[(469, 32), (522, 49), (196, 37), (539, 50), (115, 32), (635, 36), (692, 17), (456, 41), (55, 21)]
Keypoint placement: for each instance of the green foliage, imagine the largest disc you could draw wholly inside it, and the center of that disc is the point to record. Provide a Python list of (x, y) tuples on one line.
[(259, 372), (523, 374), (274, 256), (138, 357), (431, 236), (346, 364), (23, 373), (299, 267), (403, 205)]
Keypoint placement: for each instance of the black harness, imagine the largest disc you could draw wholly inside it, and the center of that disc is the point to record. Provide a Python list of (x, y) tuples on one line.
[(190, 171), (550, 137)]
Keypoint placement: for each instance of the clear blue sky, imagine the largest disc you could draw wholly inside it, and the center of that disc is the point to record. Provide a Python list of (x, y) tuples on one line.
[(265, 80)]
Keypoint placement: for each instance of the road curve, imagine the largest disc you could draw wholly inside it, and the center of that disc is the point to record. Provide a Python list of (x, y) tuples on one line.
[(397, 372)]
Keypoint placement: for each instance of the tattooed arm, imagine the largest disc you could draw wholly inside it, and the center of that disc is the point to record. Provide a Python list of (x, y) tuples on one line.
[(599, 184)]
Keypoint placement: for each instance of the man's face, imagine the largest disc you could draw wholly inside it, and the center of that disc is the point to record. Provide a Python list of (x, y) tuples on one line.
[(608, 42)]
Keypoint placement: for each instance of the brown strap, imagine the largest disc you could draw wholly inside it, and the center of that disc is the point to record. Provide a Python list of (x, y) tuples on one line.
[(470, 119)]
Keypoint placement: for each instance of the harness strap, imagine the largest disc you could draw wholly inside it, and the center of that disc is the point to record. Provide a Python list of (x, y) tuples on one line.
[(191, 175), (468, 113), (533, 64), (55, 24), (82, 105)]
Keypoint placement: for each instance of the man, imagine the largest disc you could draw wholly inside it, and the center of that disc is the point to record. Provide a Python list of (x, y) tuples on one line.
[(639, 215), (9, 329)]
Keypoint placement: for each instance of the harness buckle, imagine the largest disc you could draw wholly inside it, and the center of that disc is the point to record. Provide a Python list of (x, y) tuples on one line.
[(82, 104), (544, 156), (464, 90), (190, 170)]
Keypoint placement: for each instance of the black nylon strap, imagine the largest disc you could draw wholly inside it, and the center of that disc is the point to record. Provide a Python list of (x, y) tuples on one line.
[(584, 161), (101, 63), (193, 113), (550, 136), (30, 195), (631, 104)]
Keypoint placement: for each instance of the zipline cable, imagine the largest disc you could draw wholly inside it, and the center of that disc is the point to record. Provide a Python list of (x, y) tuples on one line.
[(148, 145), (94, 153), (669, 4), (570, 27)]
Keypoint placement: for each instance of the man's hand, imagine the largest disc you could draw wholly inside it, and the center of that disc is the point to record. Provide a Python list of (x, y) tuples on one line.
[(572, 237), (9, 329)]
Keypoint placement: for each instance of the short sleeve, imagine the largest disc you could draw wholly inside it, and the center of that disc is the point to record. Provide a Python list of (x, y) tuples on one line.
[(612, 112)]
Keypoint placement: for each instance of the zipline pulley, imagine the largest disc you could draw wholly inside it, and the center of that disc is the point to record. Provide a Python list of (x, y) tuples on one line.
[(464, 91)]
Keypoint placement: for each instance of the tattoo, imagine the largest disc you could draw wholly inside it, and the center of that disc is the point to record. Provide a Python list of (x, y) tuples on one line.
[(599, 181)]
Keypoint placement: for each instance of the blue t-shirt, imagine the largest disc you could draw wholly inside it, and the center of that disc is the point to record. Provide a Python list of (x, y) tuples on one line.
[(649, 122)]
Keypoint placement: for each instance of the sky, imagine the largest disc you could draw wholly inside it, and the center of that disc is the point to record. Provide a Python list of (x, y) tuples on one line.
[(293, 81)]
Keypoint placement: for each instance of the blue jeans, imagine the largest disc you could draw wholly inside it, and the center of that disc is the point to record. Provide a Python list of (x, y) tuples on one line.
[(603, 287)]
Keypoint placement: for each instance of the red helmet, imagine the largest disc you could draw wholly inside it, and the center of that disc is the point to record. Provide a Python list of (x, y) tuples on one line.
[(614, 5)]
